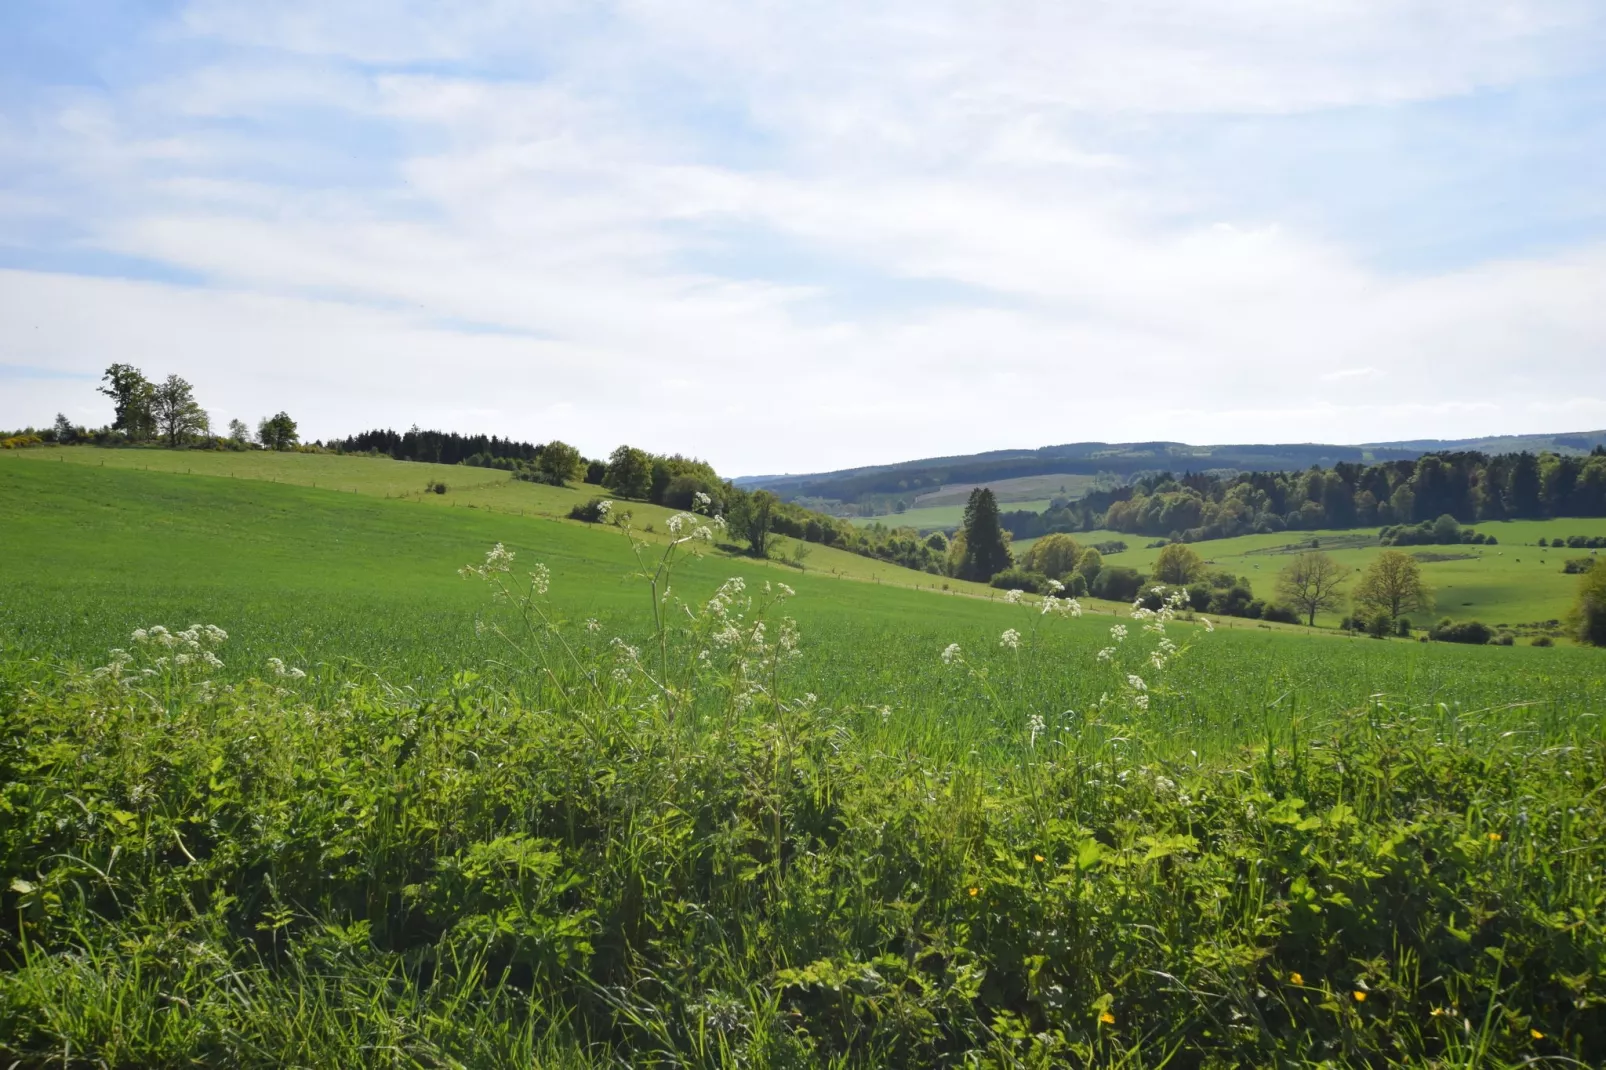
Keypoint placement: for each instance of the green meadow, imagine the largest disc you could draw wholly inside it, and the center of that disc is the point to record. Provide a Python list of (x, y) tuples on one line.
[(624, 825), (940, 517), (1515, 582)]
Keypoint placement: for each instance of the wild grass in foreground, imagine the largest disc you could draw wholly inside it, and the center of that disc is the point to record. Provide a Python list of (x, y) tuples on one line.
[(656, 848)]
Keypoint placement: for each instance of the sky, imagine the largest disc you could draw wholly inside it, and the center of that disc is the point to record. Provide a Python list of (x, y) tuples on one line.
[(797, 237)]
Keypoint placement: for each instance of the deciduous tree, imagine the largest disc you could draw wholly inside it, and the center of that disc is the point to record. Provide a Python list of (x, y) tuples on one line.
[(176, 411), (1178, 564), (278, 432), (559, 463), (132, 395), (1391, 585), (1311, 583)]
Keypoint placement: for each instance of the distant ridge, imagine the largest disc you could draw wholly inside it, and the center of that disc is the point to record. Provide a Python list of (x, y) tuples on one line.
[(1125, 459)]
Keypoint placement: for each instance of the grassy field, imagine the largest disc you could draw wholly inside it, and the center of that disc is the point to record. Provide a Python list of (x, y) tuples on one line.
[(940, 517), (1012, 493), (617, 843)]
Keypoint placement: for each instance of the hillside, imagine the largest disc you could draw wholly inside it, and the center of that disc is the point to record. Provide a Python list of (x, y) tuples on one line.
[(882, 484)]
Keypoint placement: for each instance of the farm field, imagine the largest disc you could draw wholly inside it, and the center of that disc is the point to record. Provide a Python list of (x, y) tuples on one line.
[(455, 848)]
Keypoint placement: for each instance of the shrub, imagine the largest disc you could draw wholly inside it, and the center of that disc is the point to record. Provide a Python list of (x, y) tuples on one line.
[(1474, 632), (1543, 640), (1117, 584), (1589, 611), (1576, 565), (594, 511), (1402, 627), (435, 486), (1279, 614), (1505, 639), (1020, 579)]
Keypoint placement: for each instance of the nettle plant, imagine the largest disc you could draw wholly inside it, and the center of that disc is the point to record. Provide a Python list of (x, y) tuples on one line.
[(725, 656)]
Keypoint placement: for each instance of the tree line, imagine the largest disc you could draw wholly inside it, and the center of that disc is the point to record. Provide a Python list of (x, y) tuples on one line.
[(1468, 487), (164, 413)]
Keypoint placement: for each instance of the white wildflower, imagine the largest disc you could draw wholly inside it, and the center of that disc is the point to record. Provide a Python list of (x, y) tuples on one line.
[(1012, 597), (541, 579), (1107, 653), (1208, 626), (786, 591), (1055, 586), (1140, 701), (1035, 725), (592, 625), (1010, 639), (1118, 633), (603, 509), (1157, 659), (950, 653), (1136, 683), (699, 500)]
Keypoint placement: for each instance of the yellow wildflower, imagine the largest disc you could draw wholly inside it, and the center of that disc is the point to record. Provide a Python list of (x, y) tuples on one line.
[(1037, 858), (1296, 978), (1107, 1018), (1495, 837), (974, 891), (1536, 1034), (1360, 997)]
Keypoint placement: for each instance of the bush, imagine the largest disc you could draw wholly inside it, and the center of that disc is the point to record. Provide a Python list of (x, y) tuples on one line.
[(1402, 627), (1020, 579), (435, 486), (1474, 632), (1279, 614), (594, 511), (1543, 640), (1576, 565), (1117, 584), (1505, 639)]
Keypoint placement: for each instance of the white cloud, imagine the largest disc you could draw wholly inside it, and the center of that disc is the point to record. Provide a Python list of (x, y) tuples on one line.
[(523, 242)]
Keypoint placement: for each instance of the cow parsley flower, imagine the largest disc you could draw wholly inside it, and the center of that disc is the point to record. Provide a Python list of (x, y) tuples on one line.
[(1010, 639), (950, 653), (1136, 682), (1035, 725), (1118, 633), (1012, 597)]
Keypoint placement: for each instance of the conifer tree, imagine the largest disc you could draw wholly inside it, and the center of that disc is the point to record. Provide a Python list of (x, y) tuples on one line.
[(986, 553)]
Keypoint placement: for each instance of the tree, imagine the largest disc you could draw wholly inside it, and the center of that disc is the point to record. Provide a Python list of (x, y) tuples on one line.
[(1178, 564), (1089, 565), (560, 462), (629, 473), (238, 432), (132, 394), (63, 432), (278, 432), (986, 553), (1589, 611), (1311, 584), (1055, 556), (176, 412), (750, 518), (1391, 585)]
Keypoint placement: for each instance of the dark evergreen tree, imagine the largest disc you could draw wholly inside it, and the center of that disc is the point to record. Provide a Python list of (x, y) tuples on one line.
[(986, 553)]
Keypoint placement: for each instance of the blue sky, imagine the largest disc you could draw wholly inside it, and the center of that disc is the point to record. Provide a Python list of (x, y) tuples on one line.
[(800, 237)]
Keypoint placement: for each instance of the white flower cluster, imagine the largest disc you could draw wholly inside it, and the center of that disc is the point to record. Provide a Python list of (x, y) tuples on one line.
[(1012, 598), (283, 673), (1010, 639), (1035, 725), (951, 653)]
